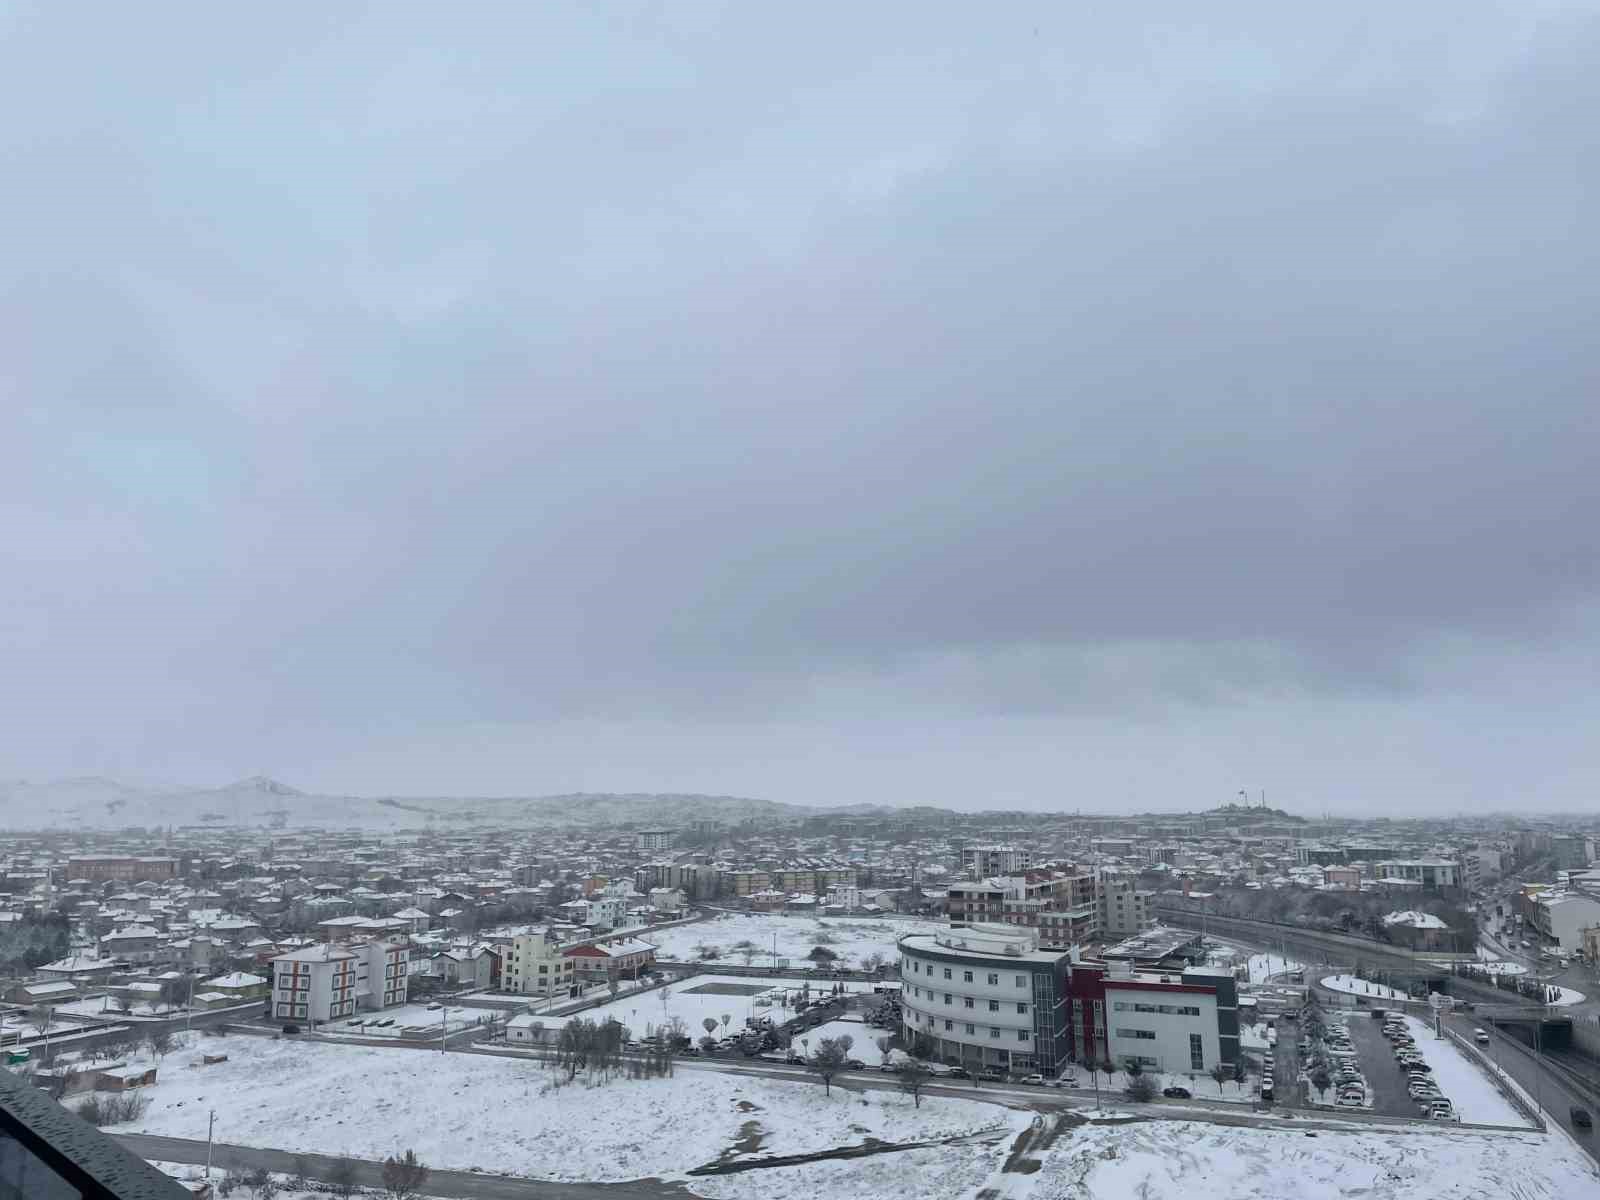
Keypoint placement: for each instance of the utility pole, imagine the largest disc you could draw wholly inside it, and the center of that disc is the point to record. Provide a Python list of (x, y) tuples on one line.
[(444, 1011), (211, 1127)]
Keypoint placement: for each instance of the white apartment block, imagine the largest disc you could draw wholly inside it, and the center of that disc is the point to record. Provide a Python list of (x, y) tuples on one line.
[(327, 982), (980, 862), (652, 840), (536, 966)]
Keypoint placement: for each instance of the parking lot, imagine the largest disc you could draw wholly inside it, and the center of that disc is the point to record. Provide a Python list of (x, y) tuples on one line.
[(1385, 1080)]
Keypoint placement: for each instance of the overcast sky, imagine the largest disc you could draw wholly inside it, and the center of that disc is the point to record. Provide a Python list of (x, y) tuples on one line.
[(1024, 405)]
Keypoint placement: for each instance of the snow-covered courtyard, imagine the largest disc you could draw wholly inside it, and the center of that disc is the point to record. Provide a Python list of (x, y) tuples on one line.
[(748, 938), (702, 997), (506, 1115)]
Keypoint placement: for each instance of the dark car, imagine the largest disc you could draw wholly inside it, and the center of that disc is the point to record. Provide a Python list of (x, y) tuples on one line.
[(993, 1077), (1177, 1093), (1582, 1119), (855, 1064), (958, 1073)]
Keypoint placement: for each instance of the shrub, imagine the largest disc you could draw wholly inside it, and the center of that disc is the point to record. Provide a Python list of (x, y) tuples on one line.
[(1141, 1089), (113, 1109)]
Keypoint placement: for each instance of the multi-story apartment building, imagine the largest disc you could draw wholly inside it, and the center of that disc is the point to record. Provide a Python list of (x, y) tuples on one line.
[(1429, 872), (1124, 909), (1560, 918), (651, 841), (1060, 904), (986, 995), (536, 966), (102, 868), (980, 862), (327, 982), (1572, 851)]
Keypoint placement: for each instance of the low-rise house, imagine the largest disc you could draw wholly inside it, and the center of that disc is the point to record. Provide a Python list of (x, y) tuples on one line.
[(525, 1029), (48, 992), (240, 985), (616, 958)]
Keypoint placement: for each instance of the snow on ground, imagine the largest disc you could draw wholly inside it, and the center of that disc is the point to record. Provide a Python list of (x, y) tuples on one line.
[(1568, 996), (1264, 966), (1261, 967), (1352, 986), (1176, 1160), (935, 1173), (1414, 920), (101, 1006), (851, 938), (403, 1017), (462, 1111), (1475, 1097), (737, 997)]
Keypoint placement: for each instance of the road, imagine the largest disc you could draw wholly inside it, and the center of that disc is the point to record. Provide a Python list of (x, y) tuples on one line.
[(469, 1185)]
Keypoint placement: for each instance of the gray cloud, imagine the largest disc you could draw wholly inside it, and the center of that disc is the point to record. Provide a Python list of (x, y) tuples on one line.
[(594, 396)]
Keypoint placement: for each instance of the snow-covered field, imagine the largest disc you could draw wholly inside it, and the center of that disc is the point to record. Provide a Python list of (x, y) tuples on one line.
[(469, 1110), (1476, 1099), (851, 938), (1261, 967), (701, 996), (1177, 1160), (1352, 986)]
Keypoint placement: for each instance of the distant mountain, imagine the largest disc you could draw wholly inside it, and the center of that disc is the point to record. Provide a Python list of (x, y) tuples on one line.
[(98, 803)]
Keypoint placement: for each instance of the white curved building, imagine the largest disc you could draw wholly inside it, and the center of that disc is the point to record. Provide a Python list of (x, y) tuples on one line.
[(987, 997)]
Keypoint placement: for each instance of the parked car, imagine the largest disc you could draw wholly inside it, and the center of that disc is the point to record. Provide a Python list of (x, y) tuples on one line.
[(993, 1077), (1036, 1080), (855, 1064), (959, 1073), (1581, 1118), (1177, 1093)]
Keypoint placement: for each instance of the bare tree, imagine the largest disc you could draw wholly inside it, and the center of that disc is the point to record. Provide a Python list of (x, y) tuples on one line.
[(261, 1184), (1220, 1074), (342, 1177), (709, 1025), (884, 1043), (159, 1041), (404, 1177), (914, 1076), (826, 1061), (846, 1041)]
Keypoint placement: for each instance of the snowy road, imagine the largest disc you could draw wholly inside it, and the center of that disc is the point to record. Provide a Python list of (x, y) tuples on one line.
[(466, 1185)]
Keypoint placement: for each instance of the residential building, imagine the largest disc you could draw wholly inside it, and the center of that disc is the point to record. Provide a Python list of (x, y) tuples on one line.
[(1572, 851), (104, 868), (988, 996), (1059, 903), (1560, 918), (613, 958), (326, 982), (1124, 909), (668, 900), (650, 841), (1428, 872), (980, 862), (1171, 1022), (536, 966)]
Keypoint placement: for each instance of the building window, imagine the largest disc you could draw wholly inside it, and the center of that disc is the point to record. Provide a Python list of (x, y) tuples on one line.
[(1022, 1010), (949, 1025), (971, 1029), (994, 1031), (994, 978), (1138, 1034), (1022, 1035), (949, 999), (1197, 1054), (1022, 981), (966, 1001), (966, 977), (947, 972), (994, 1006)]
